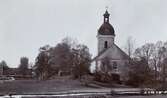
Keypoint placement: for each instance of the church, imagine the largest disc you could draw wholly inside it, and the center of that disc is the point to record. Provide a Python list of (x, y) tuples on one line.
[(108, 50)]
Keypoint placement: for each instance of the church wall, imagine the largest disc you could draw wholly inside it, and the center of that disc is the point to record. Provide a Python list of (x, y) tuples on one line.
[(102, 39), (121, 67)]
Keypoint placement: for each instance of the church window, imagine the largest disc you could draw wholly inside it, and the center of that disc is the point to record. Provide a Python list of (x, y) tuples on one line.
[(115, 65), (105, 44), (106, 20)]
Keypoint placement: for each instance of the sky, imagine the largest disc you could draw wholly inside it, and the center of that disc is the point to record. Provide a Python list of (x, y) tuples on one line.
[(26, 25)]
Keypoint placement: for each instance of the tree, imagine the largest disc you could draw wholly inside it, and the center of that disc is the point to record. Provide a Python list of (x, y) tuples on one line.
[(140, 68), (156, 59), (81, 61), (41, 64), (139, 73), (129, 48), (66, 56), (69, 56), (61, 56), (3, 66), (163, 52), (155, 56), (159, 62), (23, 67), (145, 51)]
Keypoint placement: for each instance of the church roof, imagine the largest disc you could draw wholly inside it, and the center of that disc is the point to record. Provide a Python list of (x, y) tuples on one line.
[(124, 56), (106, 28)]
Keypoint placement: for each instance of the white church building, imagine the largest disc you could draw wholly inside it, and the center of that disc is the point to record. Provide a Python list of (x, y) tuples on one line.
[(118, 59)]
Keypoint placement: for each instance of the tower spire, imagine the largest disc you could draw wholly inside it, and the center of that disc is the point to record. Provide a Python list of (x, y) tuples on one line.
[(106, 15)]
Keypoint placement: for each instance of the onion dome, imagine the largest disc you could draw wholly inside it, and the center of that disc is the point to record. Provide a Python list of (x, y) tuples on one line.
[(106, 28)]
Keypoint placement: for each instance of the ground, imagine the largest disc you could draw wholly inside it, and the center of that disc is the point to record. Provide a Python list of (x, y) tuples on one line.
[(155, 96), (58, 85), (36, 86)]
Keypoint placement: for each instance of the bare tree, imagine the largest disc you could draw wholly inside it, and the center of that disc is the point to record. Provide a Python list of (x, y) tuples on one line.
[(163, 53), (139, 73), (144, 56), (145, 51), (156, 59), (129, 48)]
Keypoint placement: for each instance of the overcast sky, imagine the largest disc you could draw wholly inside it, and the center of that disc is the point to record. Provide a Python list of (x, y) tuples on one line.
[(26, 25)]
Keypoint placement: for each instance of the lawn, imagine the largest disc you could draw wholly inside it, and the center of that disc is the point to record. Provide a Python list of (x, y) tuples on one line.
[(39, 87)]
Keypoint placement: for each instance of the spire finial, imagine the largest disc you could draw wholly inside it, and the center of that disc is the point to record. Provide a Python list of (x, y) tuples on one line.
[(106, 8)]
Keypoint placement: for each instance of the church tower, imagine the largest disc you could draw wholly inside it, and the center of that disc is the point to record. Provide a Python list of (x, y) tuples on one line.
[(106, 34)]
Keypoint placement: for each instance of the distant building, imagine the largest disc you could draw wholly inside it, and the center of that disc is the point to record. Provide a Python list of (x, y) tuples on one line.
[(107, 49), (15, 72)]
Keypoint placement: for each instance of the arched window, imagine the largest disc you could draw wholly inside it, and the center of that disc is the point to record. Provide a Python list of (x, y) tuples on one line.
[(105, 44), (115, 65)]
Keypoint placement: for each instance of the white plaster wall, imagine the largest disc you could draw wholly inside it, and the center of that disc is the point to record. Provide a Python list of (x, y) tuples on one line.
[(116, 55), (101, 40), (121, 68)]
